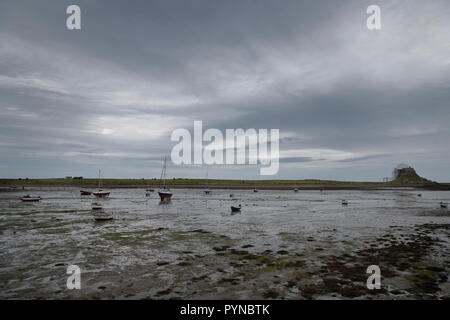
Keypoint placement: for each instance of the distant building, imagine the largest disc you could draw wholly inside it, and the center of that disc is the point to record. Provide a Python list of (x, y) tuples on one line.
[(398, 169)]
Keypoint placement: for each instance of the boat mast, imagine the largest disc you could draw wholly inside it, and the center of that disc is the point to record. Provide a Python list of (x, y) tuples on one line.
[(160, 178), (165, 161)]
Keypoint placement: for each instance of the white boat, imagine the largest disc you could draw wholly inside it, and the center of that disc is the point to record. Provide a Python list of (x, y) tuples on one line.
[(102, 216), (207, 188), (444, 205), (96, 206), (164, 193), (295, 190), (100, 193), (29, 198)]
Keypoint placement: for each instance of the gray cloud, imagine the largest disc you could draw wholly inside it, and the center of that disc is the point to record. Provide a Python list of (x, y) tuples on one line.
[(109, 95)]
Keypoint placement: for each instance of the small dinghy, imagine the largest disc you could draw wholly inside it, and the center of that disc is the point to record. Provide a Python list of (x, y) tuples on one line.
[(236, 209), (344, 202), (444, 205), (231, 195), (85, 193), (207, 190), (165, 194), (295, 190), (255, 190), (102, 216), (96, 206), (419, 195), (29, 198)]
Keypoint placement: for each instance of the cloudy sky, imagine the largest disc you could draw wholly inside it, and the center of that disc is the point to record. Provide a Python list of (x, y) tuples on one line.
[(350, 103)]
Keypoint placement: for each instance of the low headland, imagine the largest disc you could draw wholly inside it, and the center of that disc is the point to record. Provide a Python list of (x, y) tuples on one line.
[(406, 178)]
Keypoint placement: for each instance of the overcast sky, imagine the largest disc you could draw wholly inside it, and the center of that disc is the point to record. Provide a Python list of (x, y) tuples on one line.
[(350, 103)]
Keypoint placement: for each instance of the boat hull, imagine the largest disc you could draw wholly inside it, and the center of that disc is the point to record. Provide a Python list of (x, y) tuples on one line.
[(165, 196), (30, 199), (101, 194), (85, 193)]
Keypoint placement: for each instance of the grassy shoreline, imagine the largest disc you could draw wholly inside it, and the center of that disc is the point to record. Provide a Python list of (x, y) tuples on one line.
[(311, 184)]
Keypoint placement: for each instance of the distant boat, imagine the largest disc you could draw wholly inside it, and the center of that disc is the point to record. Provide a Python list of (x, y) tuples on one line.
[(85, 193), (207, 188), (148, 191), (164, 193), (236, 209), (295, 190), (100, 193), (102, 216), (419, 195), (255, 190), (444, 205), (29, 198), (96, 206), (344, 202), (231, 195)]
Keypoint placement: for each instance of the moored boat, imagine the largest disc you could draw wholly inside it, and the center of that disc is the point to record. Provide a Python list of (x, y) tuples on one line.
[(29, 198), (102, 216), (236, 209), (96, 206), (207, 188), (164, 193), (344, 202), (100, 193), (85, 193), (443, 205)]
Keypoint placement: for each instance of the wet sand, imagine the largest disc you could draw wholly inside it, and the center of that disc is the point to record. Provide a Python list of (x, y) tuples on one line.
[(284, 245)]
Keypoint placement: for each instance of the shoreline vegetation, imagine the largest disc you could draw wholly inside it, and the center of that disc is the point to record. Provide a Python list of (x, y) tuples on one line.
[(309, 184)]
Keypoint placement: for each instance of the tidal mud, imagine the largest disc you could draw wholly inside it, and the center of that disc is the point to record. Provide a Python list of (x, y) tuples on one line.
[(303, 245)]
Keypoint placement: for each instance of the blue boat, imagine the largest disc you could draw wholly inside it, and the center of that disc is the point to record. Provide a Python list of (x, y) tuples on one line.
[(236, 209)]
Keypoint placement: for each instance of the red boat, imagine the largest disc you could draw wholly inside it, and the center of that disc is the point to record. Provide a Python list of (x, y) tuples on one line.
[(85, 193), (101, 194)]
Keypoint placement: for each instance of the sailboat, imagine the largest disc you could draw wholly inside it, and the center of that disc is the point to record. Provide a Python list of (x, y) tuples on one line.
[(207, 188), (164, 193), (100, 193)]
